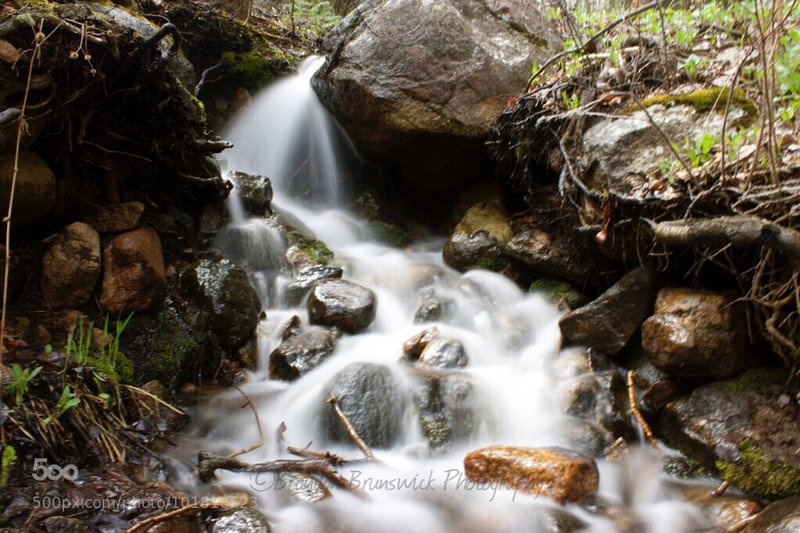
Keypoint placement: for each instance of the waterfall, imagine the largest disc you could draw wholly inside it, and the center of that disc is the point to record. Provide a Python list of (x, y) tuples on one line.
[(516, 366)]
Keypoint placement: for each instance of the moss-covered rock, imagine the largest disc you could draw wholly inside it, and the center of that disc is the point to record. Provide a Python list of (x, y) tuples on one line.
[(741, 430), (251, 70), (315, 249), (706, 100), (558, 292), (387, 233), (476, 240)]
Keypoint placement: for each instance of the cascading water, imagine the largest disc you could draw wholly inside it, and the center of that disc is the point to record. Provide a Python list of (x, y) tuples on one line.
[(511, 339)]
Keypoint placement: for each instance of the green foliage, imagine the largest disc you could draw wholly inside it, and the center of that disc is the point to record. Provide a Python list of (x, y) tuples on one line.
[(691, 66), (571, 102), (758, 475), (251, 69), (67, 401), (172, 347), (699, 152), (109, 360), (315, 249), (20, 380), (316, 16), (8, 461)]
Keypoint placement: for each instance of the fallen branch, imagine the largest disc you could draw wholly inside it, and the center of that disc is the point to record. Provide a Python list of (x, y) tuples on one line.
[(208, 463), (637, 414), (261, 441), (737, 230)]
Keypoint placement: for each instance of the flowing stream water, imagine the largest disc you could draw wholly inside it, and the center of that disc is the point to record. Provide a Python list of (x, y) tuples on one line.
[(516, 366)]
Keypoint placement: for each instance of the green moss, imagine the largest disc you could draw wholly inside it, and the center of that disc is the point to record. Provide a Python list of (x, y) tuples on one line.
[(251, 69), (705, 100), (387, 233), (171, 348), (758, 379), (315, 249), (436, 432), (493, 263), (121, 372), (557, 291), (758, 475)]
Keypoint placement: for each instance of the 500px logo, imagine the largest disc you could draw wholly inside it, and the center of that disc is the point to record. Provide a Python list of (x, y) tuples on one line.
[(53, 472)]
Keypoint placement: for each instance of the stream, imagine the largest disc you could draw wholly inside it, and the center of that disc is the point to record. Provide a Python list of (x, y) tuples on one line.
[(515, 371)]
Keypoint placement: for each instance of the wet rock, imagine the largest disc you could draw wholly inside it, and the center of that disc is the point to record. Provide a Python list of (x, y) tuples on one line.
[(388, 234), (35, 189), (607, 323), (257, 244), (546, 254), (446, 412), (657, 387), (71, 267), (586, 437), (475, 241), (740, 429), (418, 107), (301, 353), (293, 327), (554, 472), (443, 353), (782, 516), (414, 346), (370, 397), (433, 307), (223, 298), (599, 398), (241, 521), (255, 193), (697, 335), (116, 218), (558, 292), (344, 304), (303, 488), (626, 152), (134, 277), (305, 251), (727, 511), (304, 278)]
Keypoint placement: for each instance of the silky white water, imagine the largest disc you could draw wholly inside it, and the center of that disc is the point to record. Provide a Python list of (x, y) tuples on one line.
[(511, 339)]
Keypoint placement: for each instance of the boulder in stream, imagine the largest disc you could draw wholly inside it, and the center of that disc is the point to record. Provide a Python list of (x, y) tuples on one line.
[(560, 474), (343, 304), (223, 300), (607, 323), (417, 84), (255, 192), (369, 395), (446, 410), (300, 353), (476, 240)]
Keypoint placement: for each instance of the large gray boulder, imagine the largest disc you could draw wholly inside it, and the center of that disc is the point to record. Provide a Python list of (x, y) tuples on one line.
[(415, 82), (370, 397)]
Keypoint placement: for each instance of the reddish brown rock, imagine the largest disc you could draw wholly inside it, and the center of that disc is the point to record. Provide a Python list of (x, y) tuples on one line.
[(134, 278), (554, 472), (71, 266), (696, 335), (35, 189)]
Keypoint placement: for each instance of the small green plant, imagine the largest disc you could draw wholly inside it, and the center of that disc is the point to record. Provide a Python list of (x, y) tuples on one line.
[(8, 461), (571, 102), (691, 66), (67, 401), (110, 361), (79, 347), (20, 381), (700, 152)]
